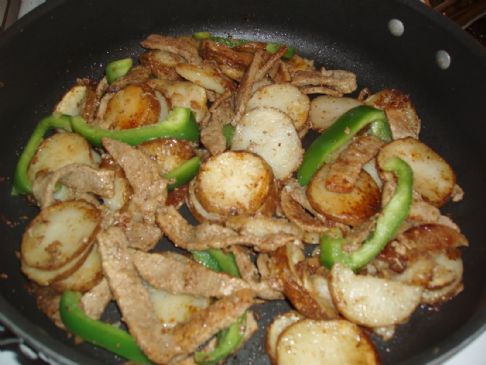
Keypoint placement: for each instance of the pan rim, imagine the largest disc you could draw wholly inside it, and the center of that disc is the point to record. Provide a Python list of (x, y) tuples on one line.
[(16, 322)]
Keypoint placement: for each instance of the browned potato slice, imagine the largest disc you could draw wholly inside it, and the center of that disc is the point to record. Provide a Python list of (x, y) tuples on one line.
[(46, 277), (351, 208), (172, 309), (204, 76), (131, 107), (285, 97), (278, 325), (335, 342), (59, 233), (197, 210), (167, 152), (73, 101), (162, 63), (271, 134), (433, 177), (234, 183), (85, 277), (371, 301), (188, 95), (59, 150), (325, 109)]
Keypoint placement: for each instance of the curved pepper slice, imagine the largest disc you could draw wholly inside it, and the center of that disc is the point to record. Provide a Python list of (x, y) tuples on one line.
[(116, 69), (184, 173), (324, 148), (180, 123), (228, 340), (216, 260), (96, 332), (21, 182), (391, 218)]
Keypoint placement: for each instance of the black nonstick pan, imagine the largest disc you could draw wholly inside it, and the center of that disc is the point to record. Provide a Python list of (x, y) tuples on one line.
[(393, 44)]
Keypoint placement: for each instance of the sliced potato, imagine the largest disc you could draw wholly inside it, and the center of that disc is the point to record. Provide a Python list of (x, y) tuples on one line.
[(278, 325), (370, 301), (162, 63), (233, 183), (168, 153), (185, 94), (172, 309), (47, 277), (351, 208), (204, 76), (271, 134), (85, 277), (131, 107), (433, 177), (325, 109), (122, 193), (59, 150), (73, 101), (335, 342), (285, 97), (59, 233), (197, 210)]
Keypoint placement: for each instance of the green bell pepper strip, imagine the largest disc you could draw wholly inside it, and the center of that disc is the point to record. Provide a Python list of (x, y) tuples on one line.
[(228, 340), (180, 124), (325, 147), (216, 260), (21, 182), (274, 47), (389, 221), (228, 133), (116, 69), (96, 332), (184, 173)]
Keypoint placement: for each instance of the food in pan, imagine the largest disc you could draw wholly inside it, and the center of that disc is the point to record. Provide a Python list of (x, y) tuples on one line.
[(301, 188)]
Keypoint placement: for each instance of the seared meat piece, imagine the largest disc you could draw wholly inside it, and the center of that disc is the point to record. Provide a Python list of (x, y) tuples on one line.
[(345, 170), (95, 300), (181, 46), (341, 81)]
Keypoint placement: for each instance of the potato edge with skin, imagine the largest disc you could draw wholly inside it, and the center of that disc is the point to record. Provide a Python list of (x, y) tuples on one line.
[(428, 167), (56, 253), (333, 342), (325, 109), (275, 329), (371, 301)]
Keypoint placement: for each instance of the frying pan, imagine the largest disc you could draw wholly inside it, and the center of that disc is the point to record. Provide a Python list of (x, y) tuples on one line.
[(432, 60)]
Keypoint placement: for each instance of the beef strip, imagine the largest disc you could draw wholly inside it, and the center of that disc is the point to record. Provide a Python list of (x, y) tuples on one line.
[(180, 46)]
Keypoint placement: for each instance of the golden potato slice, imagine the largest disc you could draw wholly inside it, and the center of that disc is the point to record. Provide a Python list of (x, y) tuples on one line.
[(46, 277), (270, 134), (371, 301), (351, 208), (168, 153), (73, 101), (335, 342), (59, 233), (285, 97), (131, 107), (233, 183), (325, 109), (59, 150), (278, 325), (85, 277), (162, 63), (433, 177), (172, 309), (197, 210), (204, 76), (188, 95)]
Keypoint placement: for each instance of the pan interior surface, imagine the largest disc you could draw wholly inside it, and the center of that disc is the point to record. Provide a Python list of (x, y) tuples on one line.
[(44, 53)]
